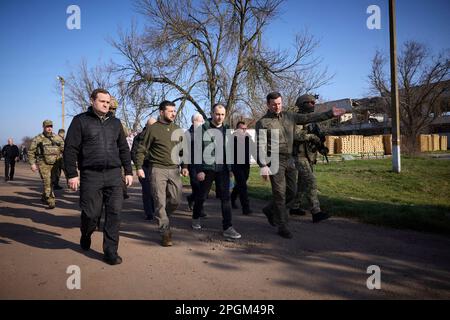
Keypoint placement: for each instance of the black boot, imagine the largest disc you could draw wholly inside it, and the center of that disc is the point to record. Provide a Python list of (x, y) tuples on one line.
[(85, 242), (320, 216), (284, 232)]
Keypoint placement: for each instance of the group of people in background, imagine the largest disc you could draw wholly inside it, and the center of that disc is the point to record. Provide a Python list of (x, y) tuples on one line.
[(97, 158)]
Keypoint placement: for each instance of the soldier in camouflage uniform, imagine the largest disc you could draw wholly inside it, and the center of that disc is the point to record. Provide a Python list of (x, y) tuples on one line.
[(45, 151), (305, 158)]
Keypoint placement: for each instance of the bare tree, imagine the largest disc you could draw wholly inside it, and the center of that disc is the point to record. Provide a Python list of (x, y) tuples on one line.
[(136, 103), (421, 88), (81, 82), (210, 51)]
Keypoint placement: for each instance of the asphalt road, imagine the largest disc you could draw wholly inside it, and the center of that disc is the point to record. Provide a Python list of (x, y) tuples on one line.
[(328, 260)]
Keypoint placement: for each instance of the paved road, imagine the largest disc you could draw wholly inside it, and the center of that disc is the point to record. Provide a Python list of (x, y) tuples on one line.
[(324, 261)]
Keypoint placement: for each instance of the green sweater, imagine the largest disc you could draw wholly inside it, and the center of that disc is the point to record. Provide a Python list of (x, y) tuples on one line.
[(157, 146)]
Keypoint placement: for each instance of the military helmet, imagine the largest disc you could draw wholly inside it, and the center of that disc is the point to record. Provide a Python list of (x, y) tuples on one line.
[(304, 98), (47, 123)]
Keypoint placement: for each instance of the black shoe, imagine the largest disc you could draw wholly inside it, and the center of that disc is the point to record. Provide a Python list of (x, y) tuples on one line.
[(285, 233), (203, 215), (149, 218), (297, 212), (269, 216), (247, 211), (85, 243), (190, 203), (57, 187), (112, 259), (320, 216), (234, 205)]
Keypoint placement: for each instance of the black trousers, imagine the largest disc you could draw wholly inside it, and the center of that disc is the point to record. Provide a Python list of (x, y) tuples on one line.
[(9, 168), (222, 181), (195, 184), (98, 189), (241, 173)]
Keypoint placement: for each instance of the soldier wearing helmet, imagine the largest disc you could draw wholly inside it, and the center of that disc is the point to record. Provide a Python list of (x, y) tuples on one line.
[(305, 155)]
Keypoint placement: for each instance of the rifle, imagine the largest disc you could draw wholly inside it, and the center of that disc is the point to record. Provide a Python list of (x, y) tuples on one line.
[(318, 147)]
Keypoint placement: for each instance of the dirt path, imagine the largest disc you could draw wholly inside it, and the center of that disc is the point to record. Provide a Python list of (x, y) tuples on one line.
[(324, 261)]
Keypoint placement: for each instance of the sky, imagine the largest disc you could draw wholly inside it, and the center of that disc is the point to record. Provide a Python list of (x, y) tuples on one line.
[(37, 46)]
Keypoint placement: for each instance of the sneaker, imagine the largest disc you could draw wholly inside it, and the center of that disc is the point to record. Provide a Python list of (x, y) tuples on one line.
[(269, 216), (167, 238), (85, 243), (284, 232), (196, 224), (112, 259), (320, 216), (231, 233), (297, 212)]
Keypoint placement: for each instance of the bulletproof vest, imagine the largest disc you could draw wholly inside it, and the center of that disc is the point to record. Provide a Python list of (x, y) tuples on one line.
[(50, 149)]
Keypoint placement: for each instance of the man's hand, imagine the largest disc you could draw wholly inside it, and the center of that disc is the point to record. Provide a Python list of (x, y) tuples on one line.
[(184, 172), (265, 172), (141, 174), (200, 176), (34, 167), (337, 112), (74, 183), (129, 180)]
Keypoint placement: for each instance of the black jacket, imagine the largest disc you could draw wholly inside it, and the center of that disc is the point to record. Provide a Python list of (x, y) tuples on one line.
[(96, 144), (10, 152)]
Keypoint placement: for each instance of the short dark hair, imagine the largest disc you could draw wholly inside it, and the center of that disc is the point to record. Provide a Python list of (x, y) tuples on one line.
[(97, 91), (239, 122), (273, 95), (218, 104), (166, 103)]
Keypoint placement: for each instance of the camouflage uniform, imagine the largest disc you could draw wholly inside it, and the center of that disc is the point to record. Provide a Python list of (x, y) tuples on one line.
[(307, 193), (45, 151)]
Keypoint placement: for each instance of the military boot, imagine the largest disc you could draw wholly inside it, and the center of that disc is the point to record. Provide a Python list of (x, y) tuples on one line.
[(167, 238)]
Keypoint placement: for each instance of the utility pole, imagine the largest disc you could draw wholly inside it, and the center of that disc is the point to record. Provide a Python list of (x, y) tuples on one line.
[(61, 79), (396, 163)]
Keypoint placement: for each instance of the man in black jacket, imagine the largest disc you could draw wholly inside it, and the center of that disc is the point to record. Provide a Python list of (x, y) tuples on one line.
[(96, 143), (11, 154)]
